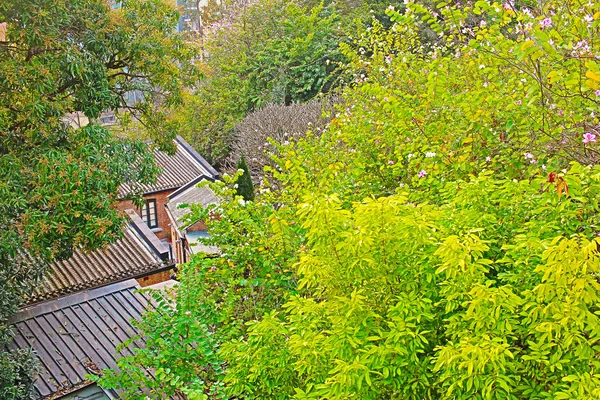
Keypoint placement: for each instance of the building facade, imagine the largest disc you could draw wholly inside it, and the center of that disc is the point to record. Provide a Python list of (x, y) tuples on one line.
[(177, 170)]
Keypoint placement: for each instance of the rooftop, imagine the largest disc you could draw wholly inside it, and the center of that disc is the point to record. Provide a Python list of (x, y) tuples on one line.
[(137, 253), (177, 169), (78, 335), (190, 194)]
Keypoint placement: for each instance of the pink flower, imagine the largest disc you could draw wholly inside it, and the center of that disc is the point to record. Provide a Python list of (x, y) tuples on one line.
[(422, 173), (597, 93), (391, 162), (518, 102), (546, 23), (589, 137), (508, 5), (528, 155)]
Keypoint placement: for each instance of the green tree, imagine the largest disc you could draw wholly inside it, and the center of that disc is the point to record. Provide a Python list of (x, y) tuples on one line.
[(270, 51), (58, 184), (439, 239), (245, 187)]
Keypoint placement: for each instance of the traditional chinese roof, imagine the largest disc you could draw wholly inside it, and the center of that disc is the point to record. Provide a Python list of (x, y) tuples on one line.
[(177, 169), (137, 253), (78, 335)]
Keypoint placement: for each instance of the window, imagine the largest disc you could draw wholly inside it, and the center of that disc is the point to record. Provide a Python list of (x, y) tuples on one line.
[(149, 214)]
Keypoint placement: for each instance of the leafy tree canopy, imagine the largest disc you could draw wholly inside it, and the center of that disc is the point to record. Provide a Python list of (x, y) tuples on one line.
[(438, 240), (58, 184), (269, 51)]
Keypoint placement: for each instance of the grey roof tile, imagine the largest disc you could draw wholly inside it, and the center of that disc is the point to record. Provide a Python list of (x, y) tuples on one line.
[(190, 194), (177, 169), (137, 253)]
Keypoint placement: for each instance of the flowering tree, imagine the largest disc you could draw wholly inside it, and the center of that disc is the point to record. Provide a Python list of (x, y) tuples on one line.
[(439, 239)]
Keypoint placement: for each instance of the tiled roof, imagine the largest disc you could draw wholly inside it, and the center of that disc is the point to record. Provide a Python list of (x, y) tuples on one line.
[(138, 252), (190, 194), (78, 335), (177, 169)]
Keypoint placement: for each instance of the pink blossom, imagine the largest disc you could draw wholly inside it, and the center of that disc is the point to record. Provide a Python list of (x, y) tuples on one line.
[(597, 93), (422, 173), (508, 5), (546, 23), (391, 162), (589, 137), (518, 102), (528, 155), (581, 48)]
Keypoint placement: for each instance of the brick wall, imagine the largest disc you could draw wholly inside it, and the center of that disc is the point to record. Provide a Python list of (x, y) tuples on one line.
[(155, 278), (176, 246), (198, 226), (161, 212)]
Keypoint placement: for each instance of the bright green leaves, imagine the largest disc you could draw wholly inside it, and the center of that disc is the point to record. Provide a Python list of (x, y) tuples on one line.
[(435, 241)]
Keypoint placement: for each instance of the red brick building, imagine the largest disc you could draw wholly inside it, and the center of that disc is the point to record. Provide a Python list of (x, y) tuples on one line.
[(177, 171)]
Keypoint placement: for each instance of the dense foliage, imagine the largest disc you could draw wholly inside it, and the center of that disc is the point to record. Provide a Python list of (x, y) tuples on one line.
[(268, 51), (437, 241), (58, 184)]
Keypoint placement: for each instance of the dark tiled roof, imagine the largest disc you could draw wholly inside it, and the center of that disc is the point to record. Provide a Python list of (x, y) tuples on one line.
[(177, 169), (78, 334), (137, 253), (190, 194)]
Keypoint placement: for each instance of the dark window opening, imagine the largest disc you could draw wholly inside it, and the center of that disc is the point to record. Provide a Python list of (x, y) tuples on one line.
[(149, 214)]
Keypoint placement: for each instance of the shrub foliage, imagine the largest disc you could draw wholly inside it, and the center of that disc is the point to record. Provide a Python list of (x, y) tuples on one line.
[(437, 241)]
